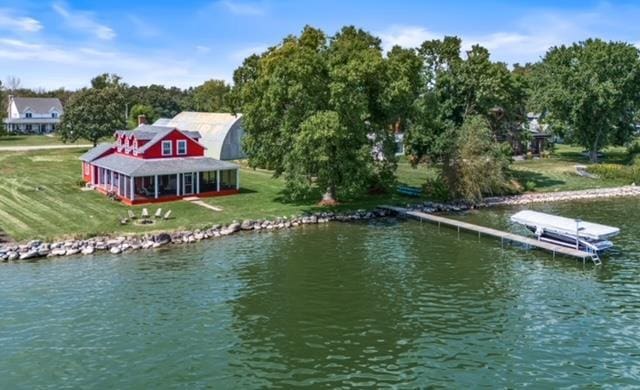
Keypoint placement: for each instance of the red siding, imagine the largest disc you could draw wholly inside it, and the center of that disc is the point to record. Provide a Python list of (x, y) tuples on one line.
[(194, 149), (86, 172)]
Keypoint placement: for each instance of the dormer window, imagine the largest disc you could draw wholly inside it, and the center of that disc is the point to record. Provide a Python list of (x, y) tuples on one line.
[(28, 114), (135, 147), (167, 148), (54, 114), (182, 147), (127, 148)]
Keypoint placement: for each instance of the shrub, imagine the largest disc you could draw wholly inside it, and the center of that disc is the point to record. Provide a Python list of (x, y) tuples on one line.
[(609, 171), (634, 148), (436, 189)]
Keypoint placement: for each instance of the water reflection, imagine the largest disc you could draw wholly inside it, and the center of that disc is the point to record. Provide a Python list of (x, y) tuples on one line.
[(393, 303)]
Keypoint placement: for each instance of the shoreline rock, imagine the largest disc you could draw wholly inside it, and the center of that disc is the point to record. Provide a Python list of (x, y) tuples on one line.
[(120, 244)]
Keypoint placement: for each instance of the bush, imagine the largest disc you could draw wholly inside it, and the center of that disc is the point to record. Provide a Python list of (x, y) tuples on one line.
[(436, 189), (609, 171), (634, 148), (630, 173)]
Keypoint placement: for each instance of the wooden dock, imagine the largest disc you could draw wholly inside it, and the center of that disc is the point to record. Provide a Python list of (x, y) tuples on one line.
[(503, 236)]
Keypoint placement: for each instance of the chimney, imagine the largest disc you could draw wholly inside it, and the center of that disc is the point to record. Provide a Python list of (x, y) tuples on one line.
[(142, 120)]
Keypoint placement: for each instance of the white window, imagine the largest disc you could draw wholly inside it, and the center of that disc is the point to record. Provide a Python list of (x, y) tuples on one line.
[(54, 114), (28, 114), (167, 149), (135, 147), (182, 147)]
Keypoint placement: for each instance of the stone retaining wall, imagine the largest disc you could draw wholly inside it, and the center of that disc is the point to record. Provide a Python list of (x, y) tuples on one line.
[(36, 249)]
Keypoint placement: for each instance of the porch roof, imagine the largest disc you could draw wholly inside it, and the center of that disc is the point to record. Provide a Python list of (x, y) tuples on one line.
[(137, 167), (96, 152)]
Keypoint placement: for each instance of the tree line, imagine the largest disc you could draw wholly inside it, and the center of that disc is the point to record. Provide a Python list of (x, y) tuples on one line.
[(321, 110), (122, 103)]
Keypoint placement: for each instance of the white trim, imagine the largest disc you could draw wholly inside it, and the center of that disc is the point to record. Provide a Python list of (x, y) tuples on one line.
[(155, 186), (181, 142), (162, 144), (184, 183)]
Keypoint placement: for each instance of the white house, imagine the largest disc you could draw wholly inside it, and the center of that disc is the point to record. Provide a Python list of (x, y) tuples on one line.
[(28, 115)]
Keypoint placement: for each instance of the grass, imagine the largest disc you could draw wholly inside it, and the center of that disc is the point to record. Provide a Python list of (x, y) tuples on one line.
[(41, 197), (558, 172), (35, 140)]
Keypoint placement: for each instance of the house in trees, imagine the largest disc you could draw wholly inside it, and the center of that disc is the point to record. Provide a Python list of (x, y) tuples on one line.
[(155, 164), (32, 115), (533, 137), (221, 132)]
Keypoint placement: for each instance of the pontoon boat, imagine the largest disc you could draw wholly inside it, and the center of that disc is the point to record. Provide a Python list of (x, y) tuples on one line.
[(572, 233)]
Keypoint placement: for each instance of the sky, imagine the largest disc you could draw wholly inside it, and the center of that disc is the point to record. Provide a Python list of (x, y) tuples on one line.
[(64, 43)]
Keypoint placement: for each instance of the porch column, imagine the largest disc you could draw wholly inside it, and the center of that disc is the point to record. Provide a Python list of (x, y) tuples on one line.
[(237, 179), (197, 182), (111, 180), (177, 184), (131, 190), (218, 180), (155, 185)]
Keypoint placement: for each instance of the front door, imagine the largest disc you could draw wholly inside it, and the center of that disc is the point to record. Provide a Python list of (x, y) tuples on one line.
[(187, 188)]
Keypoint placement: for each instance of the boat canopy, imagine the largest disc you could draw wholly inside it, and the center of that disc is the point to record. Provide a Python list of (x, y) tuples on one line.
[(562, 225)]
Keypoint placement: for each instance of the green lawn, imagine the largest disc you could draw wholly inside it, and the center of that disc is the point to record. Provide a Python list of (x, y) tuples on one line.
[(41, 197), (34, 140), (558, 173)]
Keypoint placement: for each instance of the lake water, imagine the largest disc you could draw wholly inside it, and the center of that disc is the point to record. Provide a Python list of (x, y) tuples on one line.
[(385, 303)]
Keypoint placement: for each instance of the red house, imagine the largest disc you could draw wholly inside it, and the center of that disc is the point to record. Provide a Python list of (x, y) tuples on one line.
[(156, 164)]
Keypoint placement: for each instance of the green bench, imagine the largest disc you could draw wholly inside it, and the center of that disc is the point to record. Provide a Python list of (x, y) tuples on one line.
[(410, 191)]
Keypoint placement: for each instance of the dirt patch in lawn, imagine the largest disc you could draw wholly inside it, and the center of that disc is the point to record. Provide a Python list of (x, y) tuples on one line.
[(4, 238)]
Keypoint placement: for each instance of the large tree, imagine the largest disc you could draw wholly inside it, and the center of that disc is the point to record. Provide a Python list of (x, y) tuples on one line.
[(93, 113), (211, 96), (141, 109), (590, 91), (454, 89), (310, 81)]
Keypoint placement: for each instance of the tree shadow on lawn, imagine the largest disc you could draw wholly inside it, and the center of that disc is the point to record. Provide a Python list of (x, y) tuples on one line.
[(365, 201), (539, 180), (12, 138), (608, 156)]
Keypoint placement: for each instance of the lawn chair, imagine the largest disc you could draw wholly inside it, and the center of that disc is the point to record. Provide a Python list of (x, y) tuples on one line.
[(131, 214), (158, 213), (145, 213), (167, 215), (124, 221)]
